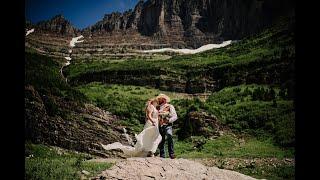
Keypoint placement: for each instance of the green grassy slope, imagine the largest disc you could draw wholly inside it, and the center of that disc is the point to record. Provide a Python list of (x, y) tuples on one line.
[(266, 58), (44, 162), (259, 110)]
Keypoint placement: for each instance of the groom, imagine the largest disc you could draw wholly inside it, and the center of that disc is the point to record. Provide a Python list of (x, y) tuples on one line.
[(165, 126)]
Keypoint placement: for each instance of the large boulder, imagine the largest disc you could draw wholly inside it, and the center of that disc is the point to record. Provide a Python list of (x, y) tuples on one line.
[(200, 123)]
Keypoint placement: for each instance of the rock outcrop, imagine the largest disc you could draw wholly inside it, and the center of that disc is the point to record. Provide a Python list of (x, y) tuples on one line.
[(200, 123), (57, 25), (83, 131), (160, 168), (116, 21)]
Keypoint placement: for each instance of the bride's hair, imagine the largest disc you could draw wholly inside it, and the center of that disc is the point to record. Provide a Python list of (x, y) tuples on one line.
[(150, 101)]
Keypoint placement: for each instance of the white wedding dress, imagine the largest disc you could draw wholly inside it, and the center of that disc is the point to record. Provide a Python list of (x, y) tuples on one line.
[(148, 140)]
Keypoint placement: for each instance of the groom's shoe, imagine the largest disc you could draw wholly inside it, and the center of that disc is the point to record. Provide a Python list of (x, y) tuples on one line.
[(172, 156), (156, 153)]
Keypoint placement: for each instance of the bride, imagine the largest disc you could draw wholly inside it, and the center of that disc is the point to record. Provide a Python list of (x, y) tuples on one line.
[(148, 140)]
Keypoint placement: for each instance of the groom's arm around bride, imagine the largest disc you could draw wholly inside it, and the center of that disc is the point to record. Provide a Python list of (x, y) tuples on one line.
[(171, 114)]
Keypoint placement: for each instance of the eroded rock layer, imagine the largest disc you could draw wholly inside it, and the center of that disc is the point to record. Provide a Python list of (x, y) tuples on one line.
[(176, 23)]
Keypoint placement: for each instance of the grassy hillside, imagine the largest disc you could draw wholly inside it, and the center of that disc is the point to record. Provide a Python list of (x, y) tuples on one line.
[(258, 110), (274, 42), (45, 162), (44, 74), (239, 63), (261, 111)]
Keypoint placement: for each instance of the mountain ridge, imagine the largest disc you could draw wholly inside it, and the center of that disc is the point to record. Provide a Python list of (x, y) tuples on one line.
[(184, 23), (57, 24)]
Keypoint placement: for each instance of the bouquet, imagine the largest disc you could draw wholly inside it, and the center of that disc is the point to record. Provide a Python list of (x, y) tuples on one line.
[(165, 116)]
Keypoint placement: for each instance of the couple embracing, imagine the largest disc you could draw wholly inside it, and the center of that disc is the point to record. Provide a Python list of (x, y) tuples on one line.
[(160, 115)]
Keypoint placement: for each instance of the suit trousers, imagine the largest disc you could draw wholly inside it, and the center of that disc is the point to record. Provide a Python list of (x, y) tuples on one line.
[(166, 133)]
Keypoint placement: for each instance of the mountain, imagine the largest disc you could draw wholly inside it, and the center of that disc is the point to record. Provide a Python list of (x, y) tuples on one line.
[(180, 23), (195, 22), (118, 21), (57, 25)]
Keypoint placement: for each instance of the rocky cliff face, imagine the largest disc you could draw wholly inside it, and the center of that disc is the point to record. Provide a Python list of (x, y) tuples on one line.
[(195, 22), (116, 21), (179, 23), (88, 127), (57, 25)]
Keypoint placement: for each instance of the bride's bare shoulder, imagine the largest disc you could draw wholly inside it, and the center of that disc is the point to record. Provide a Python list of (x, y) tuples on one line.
[(150, 107)]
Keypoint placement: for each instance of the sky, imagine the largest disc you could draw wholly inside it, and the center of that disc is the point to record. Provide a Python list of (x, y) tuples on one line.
[(81, 13)]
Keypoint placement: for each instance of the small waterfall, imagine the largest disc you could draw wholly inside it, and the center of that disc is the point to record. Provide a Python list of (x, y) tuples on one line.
[(129, 139)]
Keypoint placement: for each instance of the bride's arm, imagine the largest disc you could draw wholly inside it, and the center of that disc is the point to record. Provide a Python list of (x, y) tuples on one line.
[(149, 115)]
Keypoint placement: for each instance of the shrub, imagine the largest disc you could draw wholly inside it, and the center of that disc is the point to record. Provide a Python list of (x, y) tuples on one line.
[(285, 130)]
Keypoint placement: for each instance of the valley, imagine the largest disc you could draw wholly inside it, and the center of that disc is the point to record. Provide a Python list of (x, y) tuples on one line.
[(235, 100)]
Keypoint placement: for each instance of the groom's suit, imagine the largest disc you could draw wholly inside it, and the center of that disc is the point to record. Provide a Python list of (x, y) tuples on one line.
[(166, 130)]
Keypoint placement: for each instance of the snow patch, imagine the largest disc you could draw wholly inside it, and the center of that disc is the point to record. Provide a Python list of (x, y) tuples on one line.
[(191, 51), (68, 63), (68, 58), (29, 31), (76, 40)]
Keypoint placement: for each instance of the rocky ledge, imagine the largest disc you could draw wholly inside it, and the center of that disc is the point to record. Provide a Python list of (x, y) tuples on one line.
[(159, 168)]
